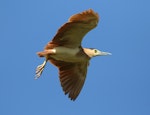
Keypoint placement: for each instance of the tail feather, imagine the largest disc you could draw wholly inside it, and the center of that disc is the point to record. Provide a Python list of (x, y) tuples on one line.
[(41, 54)]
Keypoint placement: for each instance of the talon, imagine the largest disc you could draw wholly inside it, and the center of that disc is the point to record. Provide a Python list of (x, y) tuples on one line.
[(39, 70)]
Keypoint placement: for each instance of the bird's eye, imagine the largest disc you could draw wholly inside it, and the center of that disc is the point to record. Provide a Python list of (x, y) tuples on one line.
[(95, 51)]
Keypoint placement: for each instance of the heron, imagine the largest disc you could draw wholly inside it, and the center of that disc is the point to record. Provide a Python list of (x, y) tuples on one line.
[(66, 52)]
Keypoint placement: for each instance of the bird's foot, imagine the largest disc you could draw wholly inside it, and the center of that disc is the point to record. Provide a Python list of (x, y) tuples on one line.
[(39, 70)]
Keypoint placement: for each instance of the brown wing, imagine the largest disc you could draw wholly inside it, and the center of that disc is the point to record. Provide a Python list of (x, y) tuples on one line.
[(72, 32), (72, 76)]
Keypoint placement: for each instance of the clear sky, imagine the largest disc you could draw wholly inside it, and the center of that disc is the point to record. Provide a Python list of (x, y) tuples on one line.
[(115, 85)]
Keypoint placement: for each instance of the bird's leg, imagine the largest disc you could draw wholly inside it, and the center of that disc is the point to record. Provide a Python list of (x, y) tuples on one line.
[(40, 69), (45, 54)]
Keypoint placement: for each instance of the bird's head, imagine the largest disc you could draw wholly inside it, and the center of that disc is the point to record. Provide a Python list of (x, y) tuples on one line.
[(91, 52)]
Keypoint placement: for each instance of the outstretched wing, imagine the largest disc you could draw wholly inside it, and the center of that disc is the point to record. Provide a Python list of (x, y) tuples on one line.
[(72, 76), (72, 32)]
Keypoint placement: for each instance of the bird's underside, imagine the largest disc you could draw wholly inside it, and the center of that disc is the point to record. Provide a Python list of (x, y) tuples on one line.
[(66, 53), (72, 68)]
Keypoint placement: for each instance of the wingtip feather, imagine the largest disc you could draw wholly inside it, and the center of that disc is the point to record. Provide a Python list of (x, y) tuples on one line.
[(86, 15)]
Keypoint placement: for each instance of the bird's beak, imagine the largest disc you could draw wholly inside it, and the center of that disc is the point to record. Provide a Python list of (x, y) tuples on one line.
[(103, 53)]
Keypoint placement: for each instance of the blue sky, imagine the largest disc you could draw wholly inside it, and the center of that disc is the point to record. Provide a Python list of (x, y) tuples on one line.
[(115, 85)]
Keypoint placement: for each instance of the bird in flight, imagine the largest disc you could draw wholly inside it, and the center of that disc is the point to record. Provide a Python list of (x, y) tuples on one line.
[(66, 53)]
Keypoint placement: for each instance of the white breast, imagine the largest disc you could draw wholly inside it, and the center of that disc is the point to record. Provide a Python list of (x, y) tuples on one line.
[(66, 54), (67, 51)]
